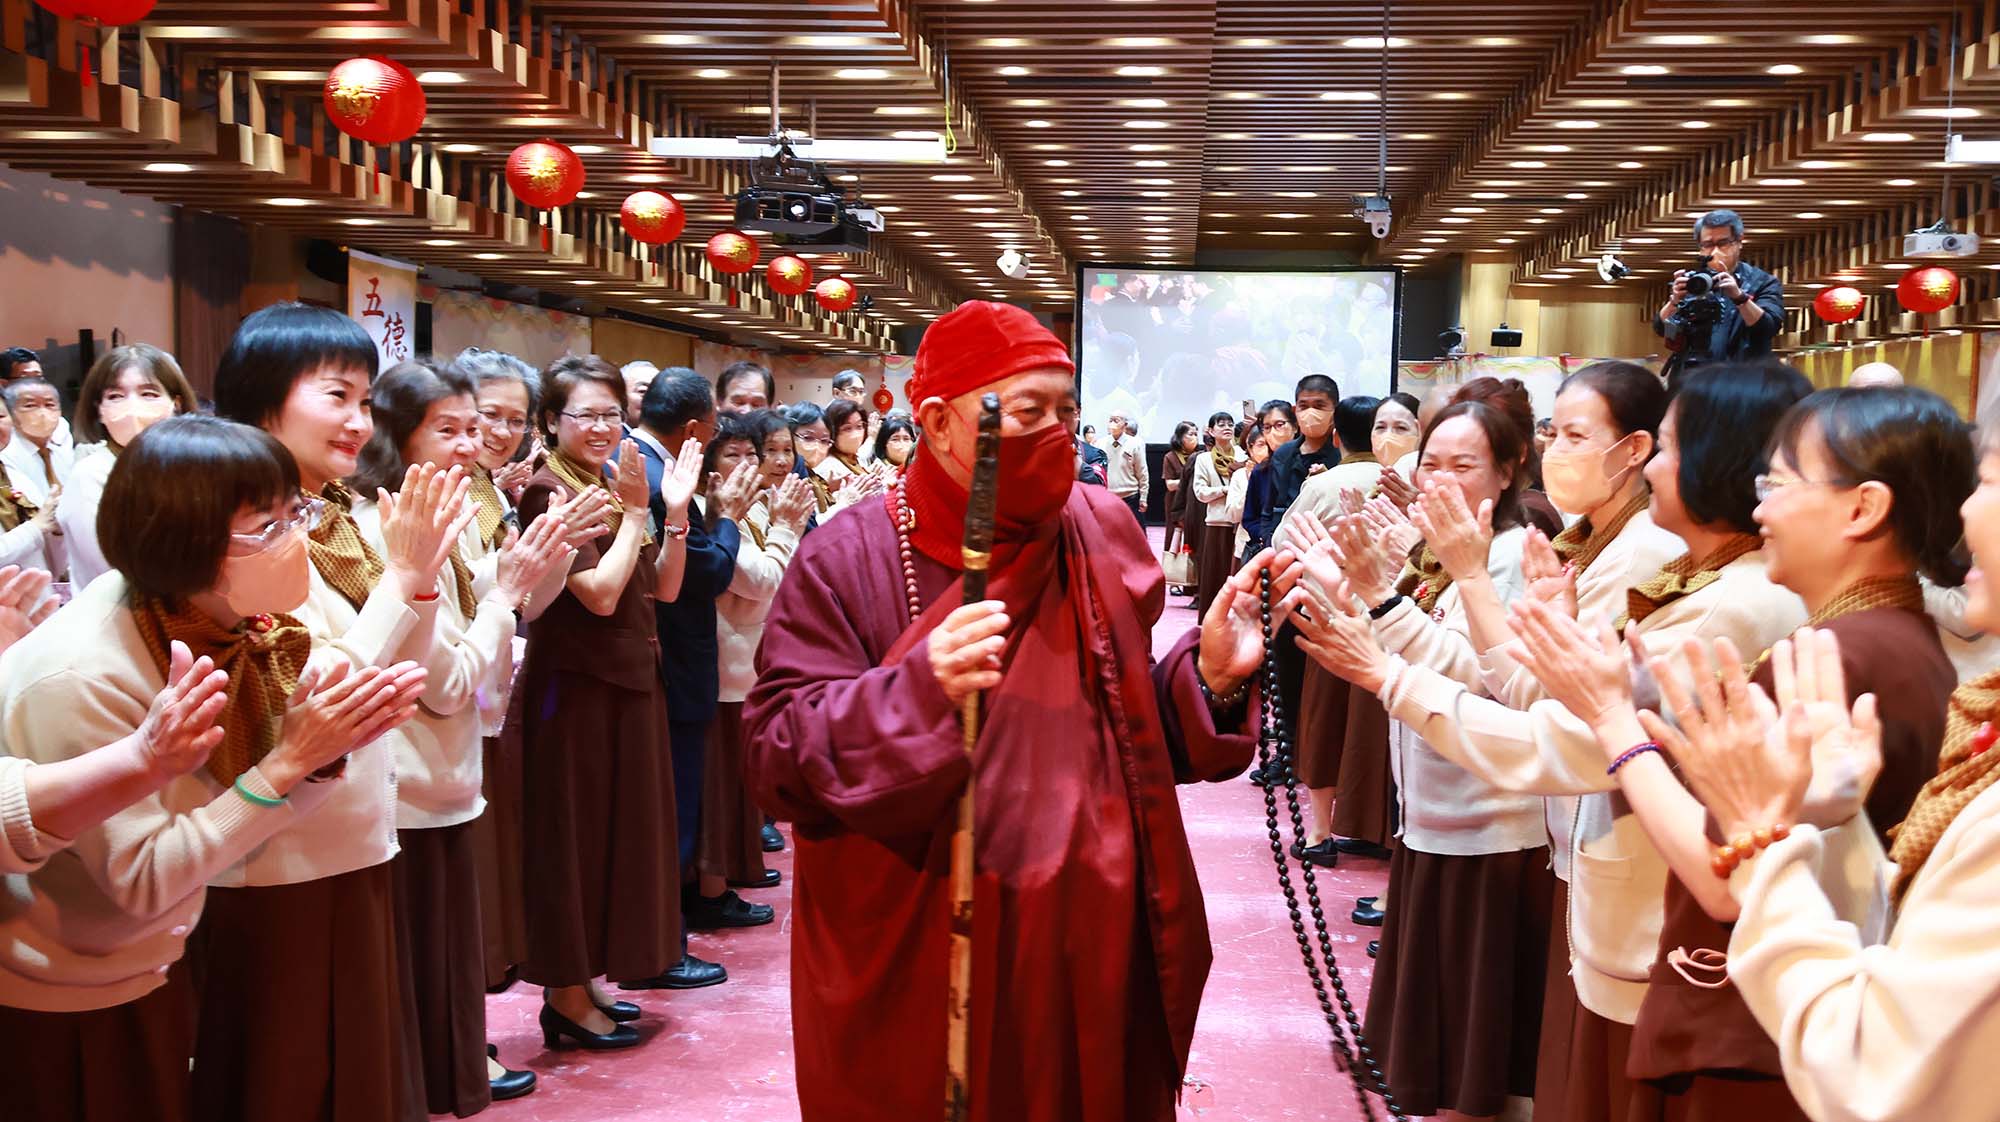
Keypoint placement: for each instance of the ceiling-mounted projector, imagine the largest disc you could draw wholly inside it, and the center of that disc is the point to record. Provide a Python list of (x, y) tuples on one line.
[(1015, 264), (1940, 240)]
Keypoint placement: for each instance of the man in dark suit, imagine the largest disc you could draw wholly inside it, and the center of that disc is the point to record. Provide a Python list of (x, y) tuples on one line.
[(1750, 301), (680, 406)]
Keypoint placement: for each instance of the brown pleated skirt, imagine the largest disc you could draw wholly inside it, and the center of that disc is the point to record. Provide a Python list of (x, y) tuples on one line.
[(1365, 809), (298, 1017), (1215, 562), (600, 855), (122, 1064), (732, 845), (1580, 1072), (1322, 727), (1714, 1098), (442, 953), (1455, 1007), (496, 848)]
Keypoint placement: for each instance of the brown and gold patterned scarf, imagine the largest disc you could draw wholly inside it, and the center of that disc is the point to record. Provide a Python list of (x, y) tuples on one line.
[(1683, 576), (1224, 456), (749, 526), (852, 463), (1864, 595), (1581, 542), (346, 562), (15, 508), (822, 494), (263, 658), (1965, 769), (1424, 579), (1359, 458), (579, 479), (461, 579), (490, 512)]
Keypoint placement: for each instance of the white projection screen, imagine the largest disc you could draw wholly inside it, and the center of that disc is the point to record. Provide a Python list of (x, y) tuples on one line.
[(1166, 347)]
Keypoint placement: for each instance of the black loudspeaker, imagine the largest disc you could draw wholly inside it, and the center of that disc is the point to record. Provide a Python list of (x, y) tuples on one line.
[(1504, 336), (326, 261)]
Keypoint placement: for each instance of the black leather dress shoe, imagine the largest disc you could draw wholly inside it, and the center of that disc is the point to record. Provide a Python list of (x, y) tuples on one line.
[(621, 1011), (506, 981), (690, 973), (1320, 853), (1367, 914), (1360, 848), (770, 879), (1374, 947), (702, 913), (556, 1027), (773, 840), (512, 1085), (1366, 901)]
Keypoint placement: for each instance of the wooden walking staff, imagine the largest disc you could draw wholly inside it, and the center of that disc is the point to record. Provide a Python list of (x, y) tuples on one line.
[(977, 553)]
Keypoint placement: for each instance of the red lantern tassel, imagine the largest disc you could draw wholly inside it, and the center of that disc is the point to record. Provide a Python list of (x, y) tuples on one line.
[(83, 62), (545, 232)]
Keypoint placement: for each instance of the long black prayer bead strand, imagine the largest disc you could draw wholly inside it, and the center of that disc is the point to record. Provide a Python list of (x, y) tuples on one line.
[(1274, 758)]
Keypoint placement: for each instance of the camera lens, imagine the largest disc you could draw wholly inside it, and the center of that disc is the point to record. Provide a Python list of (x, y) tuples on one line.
[(1698, 284)]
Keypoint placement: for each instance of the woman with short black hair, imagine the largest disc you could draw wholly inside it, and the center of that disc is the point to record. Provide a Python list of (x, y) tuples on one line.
[(324, 892), (895, 442), (127, 390), (206, 529)]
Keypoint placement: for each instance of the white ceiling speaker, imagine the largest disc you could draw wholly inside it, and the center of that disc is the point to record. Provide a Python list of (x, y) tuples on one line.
[(1015, 264)]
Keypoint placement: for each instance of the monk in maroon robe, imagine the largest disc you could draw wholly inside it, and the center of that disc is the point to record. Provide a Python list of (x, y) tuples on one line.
[(1090, 945)]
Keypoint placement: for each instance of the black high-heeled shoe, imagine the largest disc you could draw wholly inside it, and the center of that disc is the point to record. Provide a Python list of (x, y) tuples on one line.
[(620, 1011), (555, 1026), (510, 1084)]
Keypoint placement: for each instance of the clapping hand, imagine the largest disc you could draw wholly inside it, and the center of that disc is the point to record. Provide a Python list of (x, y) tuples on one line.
[(335, 711), (677, 485), (733, 495), (629, 480), (1370, 566), (527, 558), (1550, 579), (1397, 489), (180, 729), (421, 525), (1458, 538), (1585, 669), (790, 503), (24, 602), (510, 478), (1392, 524), (1336, 635)]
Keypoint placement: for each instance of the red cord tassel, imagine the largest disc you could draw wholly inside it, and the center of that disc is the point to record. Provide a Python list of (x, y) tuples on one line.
[(83, 62)]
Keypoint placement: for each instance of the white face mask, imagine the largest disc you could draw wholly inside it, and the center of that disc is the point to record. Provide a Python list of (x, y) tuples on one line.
[(125, 420), (1577, 482), (271, 581)]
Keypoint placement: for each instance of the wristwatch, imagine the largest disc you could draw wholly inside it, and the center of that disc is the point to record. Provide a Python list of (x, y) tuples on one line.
[(1740, 299), (1385, 607)]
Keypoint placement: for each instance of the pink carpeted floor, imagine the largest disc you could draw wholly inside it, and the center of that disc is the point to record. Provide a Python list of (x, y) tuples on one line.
[(724, 1054)]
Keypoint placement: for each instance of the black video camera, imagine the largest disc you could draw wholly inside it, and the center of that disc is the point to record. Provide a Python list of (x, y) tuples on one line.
[(1701, 308)]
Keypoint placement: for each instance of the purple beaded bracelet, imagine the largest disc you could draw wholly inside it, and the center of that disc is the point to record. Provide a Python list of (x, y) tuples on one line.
[(1632, 753)]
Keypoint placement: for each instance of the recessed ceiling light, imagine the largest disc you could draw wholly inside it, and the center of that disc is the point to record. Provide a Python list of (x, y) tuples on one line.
[(1029, 102), (1643, 70), (1057, 163), (1138, 41), (1811, 214), (1952, 113), (1489, 194), (587, 149), (1147, 125), (1887, 137), (1898, 265), (1241, 95), (1528, 165), (1554, 148), (1832, 40), (461, 149), (170, 168), (861, 73), (1902, 183), (1039, 124), (1015, 71), (1450, 95), (1434, 241), (1144, 102), (1604, 103), (442, 78), (1643, 241), (711, 72), (1784, 68), (361, 222), (1653, 148), (834, 41), (282, 201), (1495, 41), (1576, 195), (489, 256), (1631, 165), (902, 111), (1468, 210), (1141, 71), (440, 242), (1576, 124), (951, 177), (1454, 220), (1373, 42), (1348, 95), (1686, 40), (1149, 163)]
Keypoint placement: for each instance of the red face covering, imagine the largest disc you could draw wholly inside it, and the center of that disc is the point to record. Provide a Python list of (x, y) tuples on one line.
[(1037, 470)]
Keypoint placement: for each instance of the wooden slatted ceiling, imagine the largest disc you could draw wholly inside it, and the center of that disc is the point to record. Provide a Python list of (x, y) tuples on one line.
[(1539, 132)]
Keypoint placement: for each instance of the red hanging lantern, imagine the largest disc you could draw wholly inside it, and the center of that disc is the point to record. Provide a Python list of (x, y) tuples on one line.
[(652, 218), (374, 100), (787, 275), (545, 175), (884, 400), (733, 251), (67, 9), (116, 13), (835, 294), (1927, 290), (1840, 304)]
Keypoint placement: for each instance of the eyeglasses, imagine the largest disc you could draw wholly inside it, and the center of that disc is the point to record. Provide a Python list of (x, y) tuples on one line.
[(504, 424), (1768, 485), (809, 438), (606, 420), (1724, 243), (306, 515)]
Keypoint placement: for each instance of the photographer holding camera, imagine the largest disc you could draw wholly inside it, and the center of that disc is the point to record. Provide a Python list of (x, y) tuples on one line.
[(1722, 310)]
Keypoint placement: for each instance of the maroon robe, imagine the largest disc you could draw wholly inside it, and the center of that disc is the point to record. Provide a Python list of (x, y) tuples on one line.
[(1090, 940)]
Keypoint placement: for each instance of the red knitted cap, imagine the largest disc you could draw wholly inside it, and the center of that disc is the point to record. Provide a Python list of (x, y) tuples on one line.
[(977, 344)]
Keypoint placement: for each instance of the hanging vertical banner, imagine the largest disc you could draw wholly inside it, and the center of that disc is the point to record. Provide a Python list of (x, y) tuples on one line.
[(382, 297)]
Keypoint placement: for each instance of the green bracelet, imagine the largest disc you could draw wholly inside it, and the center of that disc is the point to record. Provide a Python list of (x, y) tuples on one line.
[(254, 798)]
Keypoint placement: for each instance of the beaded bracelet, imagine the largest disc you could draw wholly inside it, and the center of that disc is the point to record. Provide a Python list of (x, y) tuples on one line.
[(1222, 701), (1743, 847), (1631, 754), (255, 799)]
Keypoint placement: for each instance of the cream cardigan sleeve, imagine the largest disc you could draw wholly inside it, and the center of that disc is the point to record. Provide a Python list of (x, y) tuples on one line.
[(1444, 645), (25, 848), (1896, 1031), (760, 571), (1543, 750), (1208, 486)]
